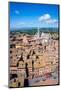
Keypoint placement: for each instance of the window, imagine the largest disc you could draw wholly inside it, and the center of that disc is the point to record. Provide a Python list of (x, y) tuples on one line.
[(12, 45), (10, 51)]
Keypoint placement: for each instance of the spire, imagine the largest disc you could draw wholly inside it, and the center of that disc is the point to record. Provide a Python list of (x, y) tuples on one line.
[(38, 34)]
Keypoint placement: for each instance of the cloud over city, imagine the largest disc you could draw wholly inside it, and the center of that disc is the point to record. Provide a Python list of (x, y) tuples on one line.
[(46, 18)]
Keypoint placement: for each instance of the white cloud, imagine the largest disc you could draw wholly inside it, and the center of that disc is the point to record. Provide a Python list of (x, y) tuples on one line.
[(51, 21), (17, 11), (46, 18)]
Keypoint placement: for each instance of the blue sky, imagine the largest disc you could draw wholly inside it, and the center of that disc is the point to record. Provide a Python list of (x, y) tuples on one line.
[(23, 15)]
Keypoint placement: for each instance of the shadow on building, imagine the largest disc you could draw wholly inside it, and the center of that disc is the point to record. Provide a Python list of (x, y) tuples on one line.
[(26, 81)]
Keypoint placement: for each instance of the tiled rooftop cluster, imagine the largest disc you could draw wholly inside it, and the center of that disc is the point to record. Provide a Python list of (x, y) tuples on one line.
[(30, 58)]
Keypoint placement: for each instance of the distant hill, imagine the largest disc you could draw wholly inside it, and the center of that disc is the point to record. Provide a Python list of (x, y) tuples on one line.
[(32, 31)]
